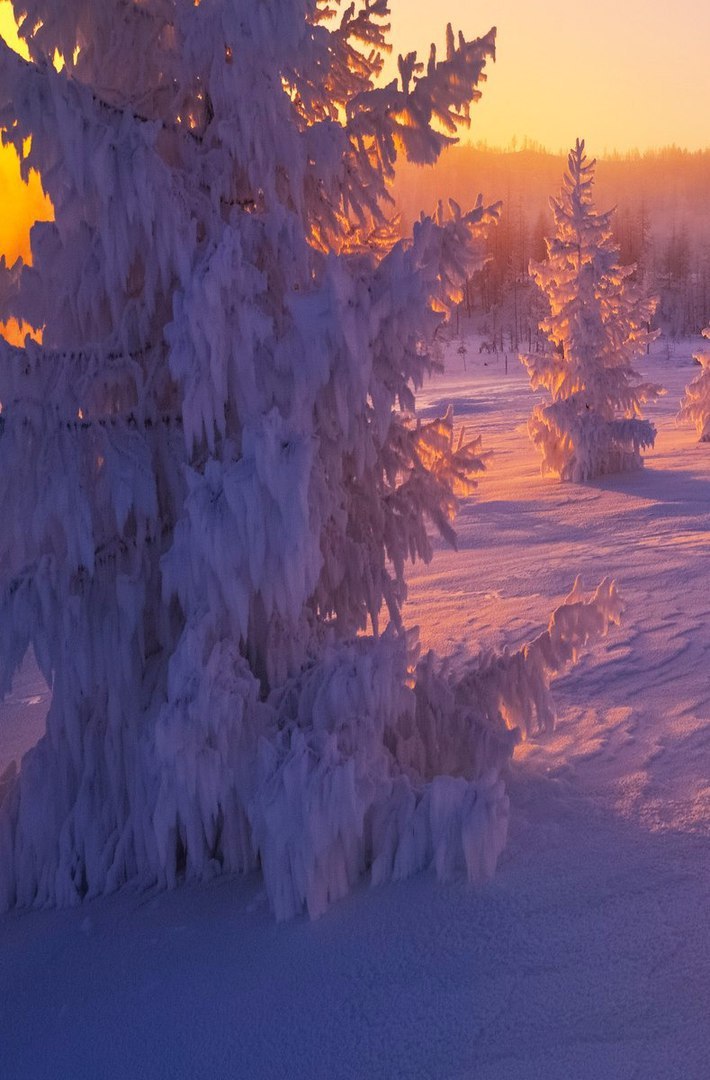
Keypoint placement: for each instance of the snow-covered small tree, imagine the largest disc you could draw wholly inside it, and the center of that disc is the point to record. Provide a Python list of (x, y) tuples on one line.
[(695, 406), (598, 325), (211, 470)]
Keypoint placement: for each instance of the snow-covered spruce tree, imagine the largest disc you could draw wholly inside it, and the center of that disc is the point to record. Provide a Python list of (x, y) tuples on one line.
[(598, 325), (695, 406), (211, 470)]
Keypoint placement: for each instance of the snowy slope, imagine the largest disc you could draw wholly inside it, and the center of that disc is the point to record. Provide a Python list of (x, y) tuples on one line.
[(586, 957)]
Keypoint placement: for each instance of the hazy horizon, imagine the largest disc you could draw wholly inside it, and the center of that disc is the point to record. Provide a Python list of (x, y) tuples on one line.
[(672, 182), (532, 146)]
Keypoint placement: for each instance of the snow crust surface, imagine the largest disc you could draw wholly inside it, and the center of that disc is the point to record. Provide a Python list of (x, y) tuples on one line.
[(586, 956)]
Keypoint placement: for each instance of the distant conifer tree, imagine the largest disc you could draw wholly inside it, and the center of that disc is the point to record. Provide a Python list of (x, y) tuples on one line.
[(598, 324)]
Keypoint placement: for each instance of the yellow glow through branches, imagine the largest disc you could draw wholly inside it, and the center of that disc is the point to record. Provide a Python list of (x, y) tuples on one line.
[(22, 204)]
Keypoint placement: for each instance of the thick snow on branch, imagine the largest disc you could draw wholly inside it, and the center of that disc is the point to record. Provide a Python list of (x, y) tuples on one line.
[(579, 445), (373, 775), (364, 764), (370, 775)]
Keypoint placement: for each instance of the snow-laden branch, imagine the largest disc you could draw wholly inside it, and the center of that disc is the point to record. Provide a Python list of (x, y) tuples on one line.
[(368, 775)]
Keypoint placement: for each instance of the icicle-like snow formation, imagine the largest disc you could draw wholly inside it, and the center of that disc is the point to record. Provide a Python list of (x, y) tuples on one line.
[(598, 325), (362, 763), (695, 406), (370, 772), (212, 473)]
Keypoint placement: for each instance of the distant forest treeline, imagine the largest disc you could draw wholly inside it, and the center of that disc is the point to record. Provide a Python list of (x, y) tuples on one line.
[(662, 223)]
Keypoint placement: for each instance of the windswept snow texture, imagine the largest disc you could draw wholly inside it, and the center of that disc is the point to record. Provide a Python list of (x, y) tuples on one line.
[(588, 954)]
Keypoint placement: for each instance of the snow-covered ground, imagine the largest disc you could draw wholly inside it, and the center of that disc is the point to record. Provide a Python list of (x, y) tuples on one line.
[(587, 956)]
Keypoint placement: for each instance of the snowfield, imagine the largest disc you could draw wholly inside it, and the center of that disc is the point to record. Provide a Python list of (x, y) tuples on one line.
[(587, 957)]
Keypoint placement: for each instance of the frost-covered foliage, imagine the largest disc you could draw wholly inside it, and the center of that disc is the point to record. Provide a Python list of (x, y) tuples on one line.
[(385, 764), (598, 325), (212, 472), (695, 406)]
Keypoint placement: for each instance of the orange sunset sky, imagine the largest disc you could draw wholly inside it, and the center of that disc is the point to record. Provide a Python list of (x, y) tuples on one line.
[(620, 73)]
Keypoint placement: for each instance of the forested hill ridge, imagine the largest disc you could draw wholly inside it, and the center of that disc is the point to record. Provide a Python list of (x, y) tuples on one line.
[(671, 183), (662, 219)]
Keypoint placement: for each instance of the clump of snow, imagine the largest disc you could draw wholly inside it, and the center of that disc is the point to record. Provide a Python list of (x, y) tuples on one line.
[(370, 773), (366, 762)]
